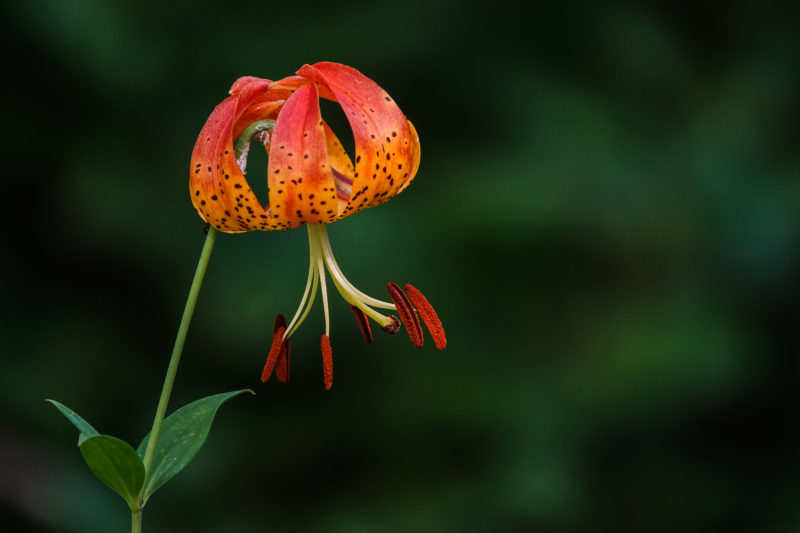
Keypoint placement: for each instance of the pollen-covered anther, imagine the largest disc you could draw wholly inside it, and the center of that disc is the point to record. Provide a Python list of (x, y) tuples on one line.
[(428, 315), (282, 366), (279, 345), (363, 323), (407, 314), (327, 362)]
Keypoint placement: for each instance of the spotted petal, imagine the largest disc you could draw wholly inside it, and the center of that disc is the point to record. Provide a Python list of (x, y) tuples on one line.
[(341, 166), (302, 187), (384, 145), (415, 157), (218, 188)]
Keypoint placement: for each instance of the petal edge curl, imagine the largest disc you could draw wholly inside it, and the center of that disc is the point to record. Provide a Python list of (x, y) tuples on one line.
[(219, 191)]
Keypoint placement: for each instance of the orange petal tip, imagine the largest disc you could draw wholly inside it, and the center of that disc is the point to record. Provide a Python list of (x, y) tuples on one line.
[(239, 84)]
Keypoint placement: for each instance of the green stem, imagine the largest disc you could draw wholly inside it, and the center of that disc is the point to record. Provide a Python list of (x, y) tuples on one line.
[(136, 520), (166, 390), (183, 330)]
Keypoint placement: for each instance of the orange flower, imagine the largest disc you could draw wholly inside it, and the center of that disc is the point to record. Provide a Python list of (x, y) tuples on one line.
[(310, 177), (311, 181)]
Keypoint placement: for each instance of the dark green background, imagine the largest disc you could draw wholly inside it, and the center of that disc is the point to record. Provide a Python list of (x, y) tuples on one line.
[(606, 219)]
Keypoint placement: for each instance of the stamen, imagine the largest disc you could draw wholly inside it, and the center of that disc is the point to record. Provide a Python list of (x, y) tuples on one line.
[(407, 314), (324, 289), (311, 286), (282, 367), (339, 277), (428, 315), (351, 295), (327, 362), (307, 310), (276, 348), (353, 301), (363, 323)]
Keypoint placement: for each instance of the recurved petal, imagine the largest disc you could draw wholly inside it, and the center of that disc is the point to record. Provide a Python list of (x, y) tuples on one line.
[(266, 106), (292, 83), (241, 82), (218, 188), (415, 157), (301, 183), (384, 148)]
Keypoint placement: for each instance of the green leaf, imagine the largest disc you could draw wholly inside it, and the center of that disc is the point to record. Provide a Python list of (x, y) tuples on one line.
[(182, 435), (116, 464), (83, 426)]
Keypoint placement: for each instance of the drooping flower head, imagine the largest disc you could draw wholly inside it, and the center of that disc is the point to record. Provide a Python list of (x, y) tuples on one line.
[(311, 181)]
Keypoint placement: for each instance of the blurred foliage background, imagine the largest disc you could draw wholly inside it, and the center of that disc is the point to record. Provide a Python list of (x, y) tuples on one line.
[(606, 219)]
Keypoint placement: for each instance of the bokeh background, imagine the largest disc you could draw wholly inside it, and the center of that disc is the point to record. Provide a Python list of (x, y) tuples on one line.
[(606, 219)]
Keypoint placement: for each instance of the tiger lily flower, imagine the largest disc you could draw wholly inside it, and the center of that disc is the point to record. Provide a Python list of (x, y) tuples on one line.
[(311, 182)]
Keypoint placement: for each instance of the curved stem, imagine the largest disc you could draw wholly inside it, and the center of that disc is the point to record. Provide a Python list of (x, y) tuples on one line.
[(172, 369)]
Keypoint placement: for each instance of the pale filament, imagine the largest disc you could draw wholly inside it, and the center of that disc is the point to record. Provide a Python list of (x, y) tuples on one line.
[(320, 256)]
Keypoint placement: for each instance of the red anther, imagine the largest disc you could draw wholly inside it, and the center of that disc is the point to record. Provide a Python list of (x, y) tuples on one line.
[(407, 314), (275, 349), (282, 366), (327, 362), (363, 323), (428, 315)]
